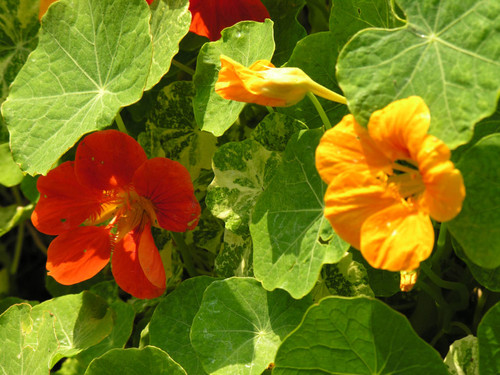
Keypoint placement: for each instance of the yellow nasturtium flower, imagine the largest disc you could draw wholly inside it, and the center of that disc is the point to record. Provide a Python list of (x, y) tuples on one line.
[(386, 182), (262, 83)]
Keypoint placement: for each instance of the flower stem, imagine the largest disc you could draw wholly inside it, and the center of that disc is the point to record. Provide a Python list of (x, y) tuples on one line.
[(18, 249), (321, 111), (36, 238), (183, 67), (460, 288), (270, 109), (186, 257), (120, 123)]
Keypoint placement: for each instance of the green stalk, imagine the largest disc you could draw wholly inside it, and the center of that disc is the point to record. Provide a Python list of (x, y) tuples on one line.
[(321, 111), (185, 253), (183, 67), (18, 249), (120, 123), (460, 288)]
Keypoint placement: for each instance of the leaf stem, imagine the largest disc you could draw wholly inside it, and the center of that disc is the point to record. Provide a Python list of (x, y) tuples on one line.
[(18, 249), (183, 67), (321, 111), (120, 123), (460, 288), (185, 253), (36, 239), (270, 109)]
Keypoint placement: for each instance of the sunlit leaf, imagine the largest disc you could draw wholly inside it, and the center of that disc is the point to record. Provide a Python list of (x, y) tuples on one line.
[(83, 70), (170, 20), (245, 42), (240, 325), (447, 54), (171, 323), (355, 336), (292, 239), (463, 357), (148, 360), (242, 171)]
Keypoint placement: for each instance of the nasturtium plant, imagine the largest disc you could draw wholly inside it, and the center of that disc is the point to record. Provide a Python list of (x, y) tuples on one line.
[(249, 187)]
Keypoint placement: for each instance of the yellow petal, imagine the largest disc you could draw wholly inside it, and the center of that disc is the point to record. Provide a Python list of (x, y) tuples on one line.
[(400, 128), (351, 198), (348, 147), (444, 185), (264, 84), (397, 238)]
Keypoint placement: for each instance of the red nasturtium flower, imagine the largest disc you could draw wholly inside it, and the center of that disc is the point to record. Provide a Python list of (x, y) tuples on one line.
[(103, 205), (386, 182), (264, 84), (210, 17)]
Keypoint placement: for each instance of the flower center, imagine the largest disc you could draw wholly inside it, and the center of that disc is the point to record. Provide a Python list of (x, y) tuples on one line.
[(135, 212), (406, 180)]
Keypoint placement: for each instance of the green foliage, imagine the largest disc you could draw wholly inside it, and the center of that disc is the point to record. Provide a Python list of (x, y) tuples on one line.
[(263, 279), (355, 336), (477, 227), (213, 113), (243, 338), (149, 360), (171, 322), (488, 334), (77, 78), (457, 76), (291, 237)]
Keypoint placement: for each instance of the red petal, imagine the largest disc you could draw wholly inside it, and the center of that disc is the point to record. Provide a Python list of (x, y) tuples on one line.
[(137, 265), (210, 17), (79, 254), (108, 159), (167, 184), (64, 203)]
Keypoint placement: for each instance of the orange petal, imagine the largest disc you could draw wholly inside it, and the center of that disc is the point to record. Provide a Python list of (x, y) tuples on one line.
[(210, 17), (350, 199), (397, 238), (137, 266), (64, 203), (444, 185), (348, 147), (44, 5), (79, 254), (167, 184), (108, 159), (233, 80), (400, 128)]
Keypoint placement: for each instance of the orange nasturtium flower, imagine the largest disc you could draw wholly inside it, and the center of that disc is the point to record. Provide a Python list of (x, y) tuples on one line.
[(385, 183), (210, 17), (262, 83), (103, 205)]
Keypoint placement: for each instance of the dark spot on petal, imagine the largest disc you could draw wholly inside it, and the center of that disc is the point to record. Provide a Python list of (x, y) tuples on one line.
[(63, 220)]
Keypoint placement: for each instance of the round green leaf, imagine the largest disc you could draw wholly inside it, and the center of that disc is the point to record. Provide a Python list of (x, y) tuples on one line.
[(447, 53), (477, 227), (149, 360), (87, 65), (245, 42), (240, 325), (292, 239), (488, 334), (171, 323), (355, 336), (81, 321), (26, 350), (18, 37), (170, 20), (275, 130), (235, 257)]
